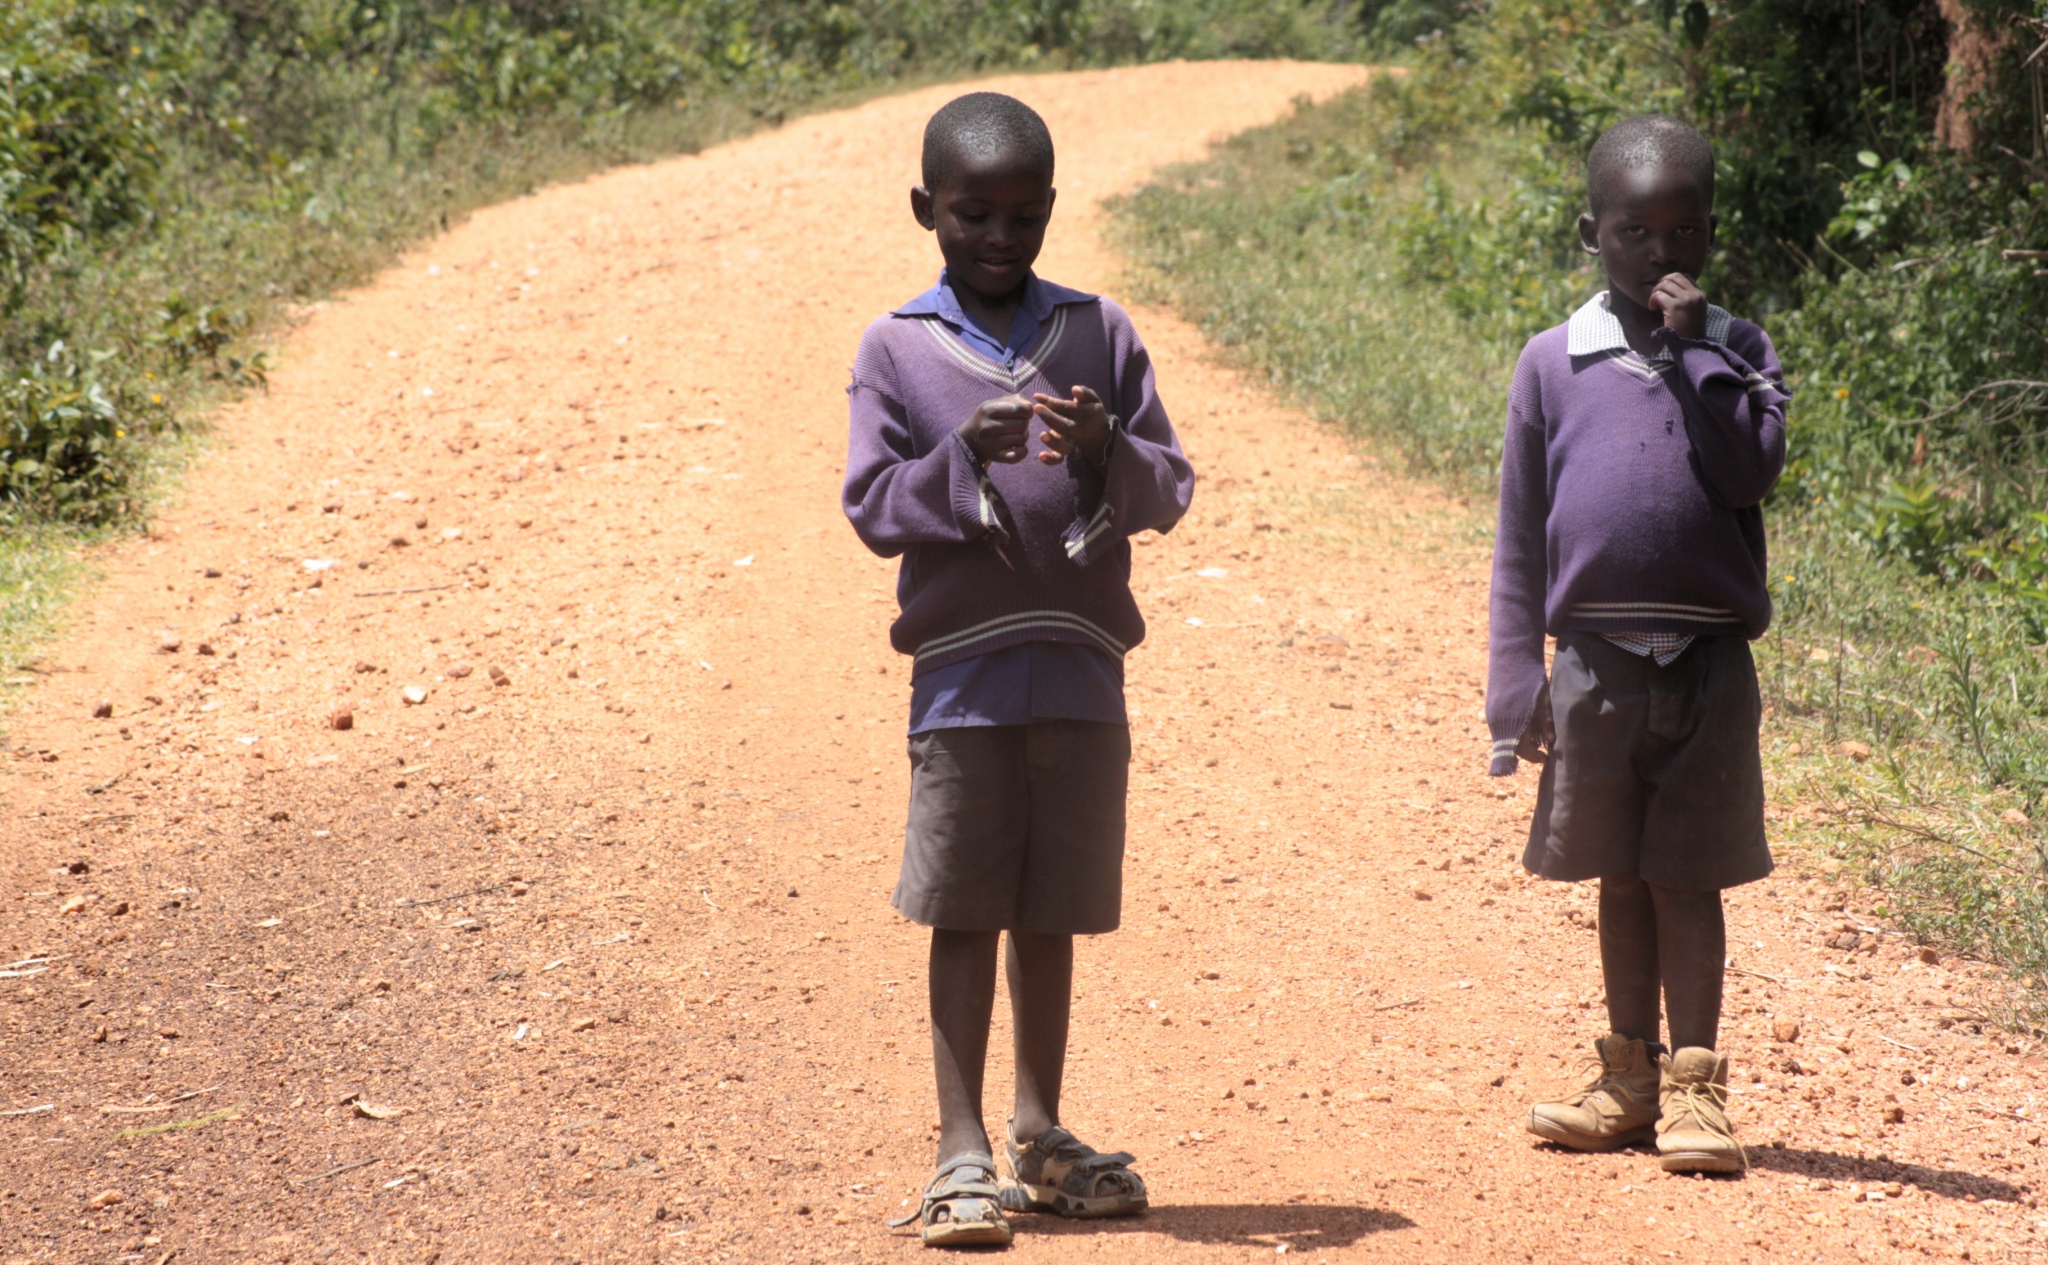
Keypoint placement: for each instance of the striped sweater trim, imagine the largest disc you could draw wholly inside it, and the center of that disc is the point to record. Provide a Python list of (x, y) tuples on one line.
[(1097, 525), (989, 630), (988, 370), (1653, 610)]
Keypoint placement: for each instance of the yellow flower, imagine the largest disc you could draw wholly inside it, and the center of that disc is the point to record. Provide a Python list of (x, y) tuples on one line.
[(119, 433), (1841, 393), (156, 399)]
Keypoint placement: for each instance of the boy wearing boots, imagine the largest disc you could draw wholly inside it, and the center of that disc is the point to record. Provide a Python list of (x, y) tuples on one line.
[(1642, 437)]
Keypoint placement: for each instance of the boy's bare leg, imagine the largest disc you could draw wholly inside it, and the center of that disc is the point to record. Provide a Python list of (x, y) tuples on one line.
[(1041, 974), (963, 987), (1692, 949), (1629, 955)]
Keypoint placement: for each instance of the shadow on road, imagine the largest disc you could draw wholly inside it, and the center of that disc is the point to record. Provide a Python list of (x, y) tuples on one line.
[(1302, 1227), (1948, 1182)]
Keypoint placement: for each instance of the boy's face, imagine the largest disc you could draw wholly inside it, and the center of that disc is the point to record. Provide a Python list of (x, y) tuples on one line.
[(1653, 221), (990, 214)]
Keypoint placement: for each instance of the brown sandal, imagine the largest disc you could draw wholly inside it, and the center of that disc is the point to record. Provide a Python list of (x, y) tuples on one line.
[(1057, 1172), (962, 1207)]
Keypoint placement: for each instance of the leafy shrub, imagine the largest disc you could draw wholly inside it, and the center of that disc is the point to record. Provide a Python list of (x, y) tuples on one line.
[(79, 138)]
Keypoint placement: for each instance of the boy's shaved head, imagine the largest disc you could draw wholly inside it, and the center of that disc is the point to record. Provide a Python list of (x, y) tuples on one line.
[(1647, 140), (983, 125)]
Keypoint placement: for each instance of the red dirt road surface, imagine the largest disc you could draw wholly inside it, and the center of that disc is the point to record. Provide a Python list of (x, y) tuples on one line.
[(574, 946)]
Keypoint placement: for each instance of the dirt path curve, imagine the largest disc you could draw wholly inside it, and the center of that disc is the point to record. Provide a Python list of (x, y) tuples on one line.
[(595, 964)]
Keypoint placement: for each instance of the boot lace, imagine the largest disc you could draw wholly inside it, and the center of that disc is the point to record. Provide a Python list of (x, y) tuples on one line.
[(1707, 1105)]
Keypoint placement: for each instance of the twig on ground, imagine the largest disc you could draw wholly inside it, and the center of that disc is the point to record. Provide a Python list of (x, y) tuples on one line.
[(29, 1111), (706, 894), (32, 961), (2002, 1114), (22, 974), (165, 1105), (341, 1168), (1396, 1005), (409, 902), (422, 588), (1736, 970), (179, 1126), (107, 785)]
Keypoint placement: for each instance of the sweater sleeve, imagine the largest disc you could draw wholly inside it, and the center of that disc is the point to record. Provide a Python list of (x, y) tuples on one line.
[(894, 497), (1515, 673), (1733, 396), (1147, 482)]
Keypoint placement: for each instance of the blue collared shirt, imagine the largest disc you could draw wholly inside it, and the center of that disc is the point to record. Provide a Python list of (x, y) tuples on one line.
[(1040, 298), (1037, 680)]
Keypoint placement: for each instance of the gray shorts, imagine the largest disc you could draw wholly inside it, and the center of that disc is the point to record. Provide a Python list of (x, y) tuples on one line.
[(1016, 827), (1656, 769)]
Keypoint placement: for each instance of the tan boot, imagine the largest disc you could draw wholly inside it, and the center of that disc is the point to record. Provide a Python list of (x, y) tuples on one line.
[(1693, 1133), (1617, 1107)]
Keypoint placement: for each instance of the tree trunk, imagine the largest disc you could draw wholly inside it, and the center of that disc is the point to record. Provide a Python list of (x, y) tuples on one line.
[(1974, 46)]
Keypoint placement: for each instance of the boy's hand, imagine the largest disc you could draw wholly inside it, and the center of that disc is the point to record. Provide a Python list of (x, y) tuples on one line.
[(1540, 738), (997, 431), (1077, 425), (1683, 304)]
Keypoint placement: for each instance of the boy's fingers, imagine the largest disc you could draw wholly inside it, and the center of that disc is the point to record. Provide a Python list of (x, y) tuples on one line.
[(1085, 395)]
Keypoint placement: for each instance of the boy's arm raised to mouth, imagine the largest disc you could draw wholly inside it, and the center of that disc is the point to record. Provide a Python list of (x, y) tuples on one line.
[(1733, 396)]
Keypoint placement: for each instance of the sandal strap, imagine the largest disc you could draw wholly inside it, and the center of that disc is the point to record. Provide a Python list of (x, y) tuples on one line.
[(1060, 1153), (1101, 1161), (944, 1186)]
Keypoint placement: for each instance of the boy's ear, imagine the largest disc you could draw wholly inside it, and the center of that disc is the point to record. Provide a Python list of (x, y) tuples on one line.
[(921, 207), (1589, 235)]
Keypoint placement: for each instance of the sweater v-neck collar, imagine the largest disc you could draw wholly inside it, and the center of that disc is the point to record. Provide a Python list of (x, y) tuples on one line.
[(1041, 319)]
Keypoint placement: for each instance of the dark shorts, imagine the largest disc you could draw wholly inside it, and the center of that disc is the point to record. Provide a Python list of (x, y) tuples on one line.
[(1017, 827), (1656, 769)]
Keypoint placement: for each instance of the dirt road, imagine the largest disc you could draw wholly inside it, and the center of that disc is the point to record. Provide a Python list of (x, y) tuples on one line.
[(585, 954)]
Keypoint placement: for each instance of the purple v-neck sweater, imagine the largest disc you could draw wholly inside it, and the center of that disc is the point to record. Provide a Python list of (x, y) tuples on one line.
[(1630, 500), (1013, 553)]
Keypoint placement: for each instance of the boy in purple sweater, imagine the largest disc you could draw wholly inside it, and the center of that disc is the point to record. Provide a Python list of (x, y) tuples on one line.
[(1642, 437), (1017, 607)]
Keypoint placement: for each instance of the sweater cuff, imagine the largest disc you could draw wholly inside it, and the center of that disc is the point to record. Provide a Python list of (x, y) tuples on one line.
[(1504, 761), (974, 496), (1089, 536)]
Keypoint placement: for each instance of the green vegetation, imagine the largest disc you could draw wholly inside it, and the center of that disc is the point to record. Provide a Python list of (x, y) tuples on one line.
[(1884, 215), (175, 175)]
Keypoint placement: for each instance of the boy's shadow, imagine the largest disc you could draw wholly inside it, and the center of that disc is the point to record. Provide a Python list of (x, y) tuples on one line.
[(1301, 1227), (1949, 1183)]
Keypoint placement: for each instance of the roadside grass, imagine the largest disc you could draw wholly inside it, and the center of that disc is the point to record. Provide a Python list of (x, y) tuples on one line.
[(1334, 254)]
